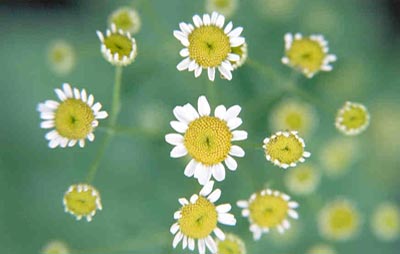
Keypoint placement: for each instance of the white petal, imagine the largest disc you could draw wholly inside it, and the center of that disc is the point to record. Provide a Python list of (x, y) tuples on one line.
[(82, 143), (236, 32), (101, 115), (233, 112), (220, 21), (67, 90), (179, 126), (293, 214), (183, 65), (184, 242), (51, 134), (192, 65), (218, 172), (90, 136), (51, 104), (204, 174), (183, 201), (77, 94), (193, 198), (185, 28), (178, 151), (227, 219), (90, 100), (174, 228), (242, 204), (211, 73), (177, 239), (197, 21), (211, 245), (236, 41), (226, 73), (180, 35), (184, 52), (214, 196), (239, 135), (224, 208), (96, 107), (54, 142), (233, 57), (202, 246), (190, 168), (207, 188), (220, 235), (228, 28), (83, 95), (206, 19), (233, 123), (214, 17), (293, 204), (197, 71), (181, 114), (231, 163), (60, 94), (203, 106), (237, 151), (47, 115), (47, 124), (191, 244), (174, 139), (220, 112)]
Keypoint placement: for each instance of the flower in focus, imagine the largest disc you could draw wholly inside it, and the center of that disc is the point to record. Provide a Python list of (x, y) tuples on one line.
[(352, 118), (385, 222), (307, 54), (198, 218), (61, 57), (339, 220), (207, 139), (302, 180), (118, 47), (285, 149), (82, 200), (126, 19), (294, 115), (231, 245), (225, 7), (267, 210), (208, 45), (55, 247), (73, 119)]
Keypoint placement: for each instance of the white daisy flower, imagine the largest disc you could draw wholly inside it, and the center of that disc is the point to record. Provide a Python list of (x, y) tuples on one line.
[(207, 139), (126, 18), (352, 119), (308, 54), (118, 47), (208, 45), (73, 119), (198, 218), (268, 209)]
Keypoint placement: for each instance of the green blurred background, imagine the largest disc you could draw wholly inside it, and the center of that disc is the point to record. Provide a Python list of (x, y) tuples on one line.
[(139, 183)]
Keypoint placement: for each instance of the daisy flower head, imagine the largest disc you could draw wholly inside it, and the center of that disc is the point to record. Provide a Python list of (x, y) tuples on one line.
[(385, 222), (55, 247), (302, 180), (208, 45), (292, 114), (339, 220), (268, 209), (82, 200), (225, 7), (61, 57), (126, 19), (307, 54), (352, 118), (285, 149), (231, 245), (198, 218), (118, 47), (72, 119), (207, 139)]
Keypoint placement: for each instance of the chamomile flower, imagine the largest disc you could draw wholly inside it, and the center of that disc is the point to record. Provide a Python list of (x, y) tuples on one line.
[(285, 149), (385, 222), (73, 119), (225, 7), (307, 54), (207, 139), (61, 57), (118, 47), (82, 200), (302, 180), (352, 118), (321, 249), (208, 45), (241, 51), (292, 114), (339, 220), (198, 218), (231, 245), (55, 247), (268, 210), (126, 19)]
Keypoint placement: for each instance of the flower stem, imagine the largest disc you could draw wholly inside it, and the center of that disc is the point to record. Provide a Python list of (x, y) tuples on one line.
[(115, 108)]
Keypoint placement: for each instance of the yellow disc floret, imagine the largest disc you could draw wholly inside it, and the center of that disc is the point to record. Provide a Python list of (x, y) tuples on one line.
[(199, 219), (306, 54), (231, 245), (119, 44), (352, 119), (268, 211), (82, 200), (73, 119), (208, 140), (209, 46)]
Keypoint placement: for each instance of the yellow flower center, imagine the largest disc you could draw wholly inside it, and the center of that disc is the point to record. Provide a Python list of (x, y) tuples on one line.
[(294, 121), (286, 150), (73, 119), (209, 46), (268, 211), (119, 44), (199, 219), (208, 140), (81, 203), (304, 175), (58, 55), (231, 245), (342, 219), (354, 117), (122, 20), (306, 54), (222, 3)]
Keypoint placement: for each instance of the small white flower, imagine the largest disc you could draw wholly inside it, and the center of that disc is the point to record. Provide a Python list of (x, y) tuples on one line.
[(198, 218), (73, 119), (126, 18), (352, 119), (207, 139), (208, 45)]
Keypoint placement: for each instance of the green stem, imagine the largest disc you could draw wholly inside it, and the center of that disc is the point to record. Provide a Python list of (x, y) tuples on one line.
[(115, 108)]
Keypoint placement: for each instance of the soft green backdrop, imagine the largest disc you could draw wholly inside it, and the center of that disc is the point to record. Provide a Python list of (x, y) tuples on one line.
[(138, 182)]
